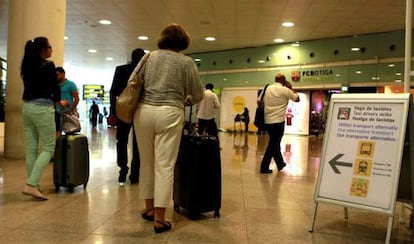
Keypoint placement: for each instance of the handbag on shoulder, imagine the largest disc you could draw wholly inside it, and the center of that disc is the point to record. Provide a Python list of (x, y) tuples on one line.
[(127, 102), (259, 121)]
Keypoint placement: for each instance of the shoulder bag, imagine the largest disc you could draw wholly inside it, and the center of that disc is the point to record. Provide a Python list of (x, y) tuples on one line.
[(259, 121)]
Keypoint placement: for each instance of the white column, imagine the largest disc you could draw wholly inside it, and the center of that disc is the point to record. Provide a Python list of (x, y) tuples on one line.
[(28, 19), (408, 31)]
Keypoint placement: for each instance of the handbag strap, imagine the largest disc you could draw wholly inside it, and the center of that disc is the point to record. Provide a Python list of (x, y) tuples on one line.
[(139, 65), (262, 95)]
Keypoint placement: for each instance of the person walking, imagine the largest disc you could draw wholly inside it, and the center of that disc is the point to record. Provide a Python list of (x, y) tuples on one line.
[(171, 80), (94, 111), (41, 91), (69, 92), (121, 76), (206, 113), (276, 99)]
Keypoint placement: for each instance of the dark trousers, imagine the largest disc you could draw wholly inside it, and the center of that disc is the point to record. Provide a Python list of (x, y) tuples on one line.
[(122, 133), (273, 150), (208, 126)]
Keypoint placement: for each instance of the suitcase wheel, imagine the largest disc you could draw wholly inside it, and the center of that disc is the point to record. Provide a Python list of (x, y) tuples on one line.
[(56, 188), (217, 213), (84, 186), (176, 207)]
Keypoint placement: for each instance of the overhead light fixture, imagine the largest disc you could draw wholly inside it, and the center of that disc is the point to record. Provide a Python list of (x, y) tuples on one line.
[(109, 58), (92, 51), (210, 38), (278, 40), (296, 44), (105, 22), (398, 73), (261, 61), (65, 38), (288, 24), (391, 65), (358, 72), (398, 81), (355, 49), (197, 59), (143, 38)]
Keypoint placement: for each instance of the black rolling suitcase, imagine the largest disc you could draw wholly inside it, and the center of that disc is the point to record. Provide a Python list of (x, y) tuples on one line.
[(197, 175), (71, 166)]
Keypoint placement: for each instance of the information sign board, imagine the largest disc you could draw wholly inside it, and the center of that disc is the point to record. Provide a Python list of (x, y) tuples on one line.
[(362, 151)]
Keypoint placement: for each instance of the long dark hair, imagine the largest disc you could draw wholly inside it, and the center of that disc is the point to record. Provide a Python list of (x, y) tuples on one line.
[(32, 59)]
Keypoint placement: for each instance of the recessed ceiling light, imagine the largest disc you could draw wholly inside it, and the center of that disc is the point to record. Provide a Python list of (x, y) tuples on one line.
[(92, 51), (391, 65), (143, 38), (287, 24), (398, 73), (296, 44), (355, 49), (197, 59), (104, 22), (338, 75), (278, 40), (261, 61), (65, 38), (398, 81), (210, 38), (109, 58), (358, 72)]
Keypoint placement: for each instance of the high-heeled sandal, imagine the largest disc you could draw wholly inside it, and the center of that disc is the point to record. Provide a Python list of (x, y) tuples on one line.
[(166, 226), (146, 216)]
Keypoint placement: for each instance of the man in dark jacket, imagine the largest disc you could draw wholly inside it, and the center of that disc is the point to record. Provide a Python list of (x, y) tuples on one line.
[(119, 83)]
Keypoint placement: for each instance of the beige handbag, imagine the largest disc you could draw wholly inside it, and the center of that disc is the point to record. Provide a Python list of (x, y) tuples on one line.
[(127, 102)]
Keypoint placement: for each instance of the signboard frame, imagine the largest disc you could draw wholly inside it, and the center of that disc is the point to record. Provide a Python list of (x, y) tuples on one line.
[(393, 101)]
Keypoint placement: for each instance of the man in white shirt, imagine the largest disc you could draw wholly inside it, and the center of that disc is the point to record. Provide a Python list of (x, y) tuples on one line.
[(276, 99), (206, 113)]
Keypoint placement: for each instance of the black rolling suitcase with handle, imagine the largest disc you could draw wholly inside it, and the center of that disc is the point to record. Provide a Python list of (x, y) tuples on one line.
[(197, 175), (71, 166)]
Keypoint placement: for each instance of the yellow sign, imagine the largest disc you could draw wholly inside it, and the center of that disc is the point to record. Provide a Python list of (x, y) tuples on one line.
[(238, 104), (93, 92)]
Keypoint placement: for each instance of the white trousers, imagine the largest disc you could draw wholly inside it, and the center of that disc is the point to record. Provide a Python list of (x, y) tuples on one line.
[(158, 131)]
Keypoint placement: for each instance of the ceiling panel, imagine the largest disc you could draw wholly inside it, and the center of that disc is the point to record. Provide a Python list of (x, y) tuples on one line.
[(235, 23)]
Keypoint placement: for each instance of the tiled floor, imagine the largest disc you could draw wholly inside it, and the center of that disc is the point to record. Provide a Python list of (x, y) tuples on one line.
[(274, 208)]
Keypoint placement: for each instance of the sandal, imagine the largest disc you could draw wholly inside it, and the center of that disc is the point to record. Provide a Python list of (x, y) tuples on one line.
[(166, 226), (146, 216)]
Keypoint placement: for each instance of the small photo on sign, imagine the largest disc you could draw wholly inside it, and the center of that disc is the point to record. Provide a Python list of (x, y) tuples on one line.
[(362, 167), (344, 113), (366, 149), (359, 187)]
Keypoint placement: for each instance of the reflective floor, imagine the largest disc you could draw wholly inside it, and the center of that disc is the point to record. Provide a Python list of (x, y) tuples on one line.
[(256, 208)]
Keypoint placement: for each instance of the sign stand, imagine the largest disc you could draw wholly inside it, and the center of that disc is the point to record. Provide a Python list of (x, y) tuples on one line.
[(362, 153)]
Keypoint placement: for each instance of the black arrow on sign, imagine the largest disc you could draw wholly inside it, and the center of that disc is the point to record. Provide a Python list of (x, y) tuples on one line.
[(334, 162)]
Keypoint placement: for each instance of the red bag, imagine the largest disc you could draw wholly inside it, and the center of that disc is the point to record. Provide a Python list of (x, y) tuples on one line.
[(111, 121)]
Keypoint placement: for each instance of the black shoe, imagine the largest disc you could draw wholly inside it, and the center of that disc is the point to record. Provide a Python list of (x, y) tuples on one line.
[(280, 168), (145, 215), (266, 171), (133, 180), (122, 175), (166, 226)]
